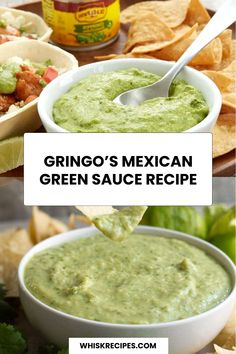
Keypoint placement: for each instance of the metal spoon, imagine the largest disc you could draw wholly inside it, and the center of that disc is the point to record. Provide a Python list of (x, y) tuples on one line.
[(223, 18)]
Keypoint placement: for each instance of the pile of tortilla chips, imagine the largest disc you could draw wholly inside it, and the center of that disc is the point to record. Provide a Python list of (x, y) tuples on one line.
[(164, 30), (15, 243)]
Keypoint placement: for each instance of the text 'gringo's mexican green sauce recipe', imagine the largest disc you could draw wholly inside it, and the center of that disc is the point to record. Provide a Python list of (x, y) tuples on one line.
[(89, 106), (144, 279)]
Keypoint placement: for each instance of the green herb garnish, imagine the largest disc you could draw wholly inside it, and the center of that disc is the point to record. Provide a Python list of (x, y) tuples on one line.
[(11, 340), (40, 71), (48, 62), (42, 83)]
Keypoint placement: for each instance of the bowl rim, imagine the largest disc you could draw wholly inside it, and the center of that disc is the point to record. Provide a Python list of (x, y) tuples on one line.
[(47, 119), (151, 231), (44, 46)]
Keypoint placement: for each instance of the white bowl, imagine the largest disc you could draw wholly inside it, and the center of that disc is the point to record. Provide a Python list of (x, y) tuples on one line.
[(185, 336), (26, 119), (61, 85)]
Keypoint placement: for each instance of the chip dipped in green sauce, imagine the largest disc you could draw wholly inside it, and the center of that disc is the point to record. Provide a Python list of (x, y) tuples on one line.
[(88, 106), (121, 223), (144, 279)]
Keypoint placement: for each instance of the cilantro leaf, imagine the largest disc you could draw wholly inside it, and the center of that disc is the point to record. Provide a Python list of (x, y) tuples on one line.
[(11, 340)]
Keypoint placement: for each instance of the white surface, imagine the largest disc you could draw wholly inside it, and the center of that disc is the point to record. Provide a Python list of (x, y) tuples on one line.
[(195, 78), (185, 336), (161, 345), (100, 151)]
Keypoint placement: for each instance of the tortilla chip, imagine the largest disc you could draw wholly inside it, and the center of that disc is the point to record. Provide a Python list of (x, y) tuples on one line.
[(181, 34), (230, 97), (15, 240), (229, 100), (94, 211), (14, 244), (196, 14), (233, 54), (42, 226), (73, 218), (147, 28), (211, 54), (220, 350), (118, 224), (223, 80), (227, 108), (226, 40), (171, 12), (121, 56), (231, 341), (225, 61), (231, 68), (226, 340), (226, 119), (227, 47), (227, 336), (110, 56), (224, 135)]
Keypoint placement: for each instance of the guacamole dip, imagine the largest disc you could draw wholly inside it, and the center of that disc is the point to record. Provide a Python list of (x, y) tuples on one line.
[(89, 106), (144, 279)]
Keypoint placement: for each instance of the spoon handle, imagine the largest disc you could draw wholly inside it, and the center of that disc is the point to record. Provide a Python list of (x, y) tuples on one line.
[(223, 18)]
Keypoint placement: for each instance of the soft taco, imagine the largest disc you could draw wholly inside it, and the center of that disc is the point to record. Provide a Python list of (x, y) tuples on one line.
[(26, 67), (17, 24)]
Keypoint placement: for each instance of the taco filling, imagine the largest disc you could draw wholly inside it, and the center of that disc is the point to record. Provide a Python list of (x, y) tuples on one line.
[(15, 27), (22, 81)]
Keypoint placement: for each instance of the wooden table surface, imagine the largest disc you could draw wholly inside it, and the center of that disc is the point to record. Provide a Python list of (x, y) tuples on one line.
[(222, 166)]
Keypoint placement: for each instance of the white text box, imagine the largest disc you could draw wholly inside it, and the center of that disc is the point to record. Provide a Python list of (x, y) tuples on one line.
[(118, 169)]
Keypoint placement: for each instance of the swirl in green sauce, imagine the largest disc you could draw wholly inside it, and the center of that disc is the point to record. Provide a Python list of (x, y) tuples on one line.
[(88, 106)]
